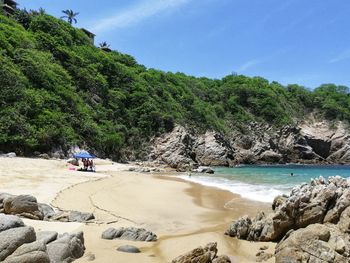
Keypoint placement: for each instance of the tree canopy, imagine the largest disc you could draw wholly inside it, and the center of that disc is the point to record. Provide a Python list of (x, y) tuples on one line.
[(58, 90)]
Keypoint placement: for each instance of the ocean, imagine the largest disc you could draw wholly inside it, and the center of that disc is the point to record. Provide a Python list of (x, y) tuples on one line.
[(263, 183)]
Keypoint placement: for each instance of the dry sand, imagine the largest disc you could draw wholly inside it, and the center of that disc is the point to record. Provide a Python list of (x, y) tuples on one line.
[(183, 215)]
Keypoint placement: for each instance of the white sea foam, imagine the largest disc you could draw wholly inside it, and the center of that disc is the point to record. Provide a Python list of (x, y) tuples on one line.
[(262, 193)]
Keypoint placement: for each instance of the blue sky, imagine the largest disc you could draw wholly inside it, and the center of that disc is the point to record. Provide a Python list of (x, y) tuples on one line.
[(290, 41)]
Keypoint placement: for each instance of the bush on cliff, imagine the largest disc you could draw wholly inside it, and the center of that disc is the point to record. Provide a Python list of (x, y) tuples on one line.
[(58, 90)]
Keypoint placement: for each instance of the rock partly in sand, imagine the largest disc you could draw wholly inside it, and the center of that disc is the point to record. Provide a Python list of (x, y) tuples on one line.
[(73, 161), (11, 155), (263, 256), (46, 210), (72, 216), (208, 254), (315, 243), (34, 252), (66, 248), (23, 205), (13, 238), (9, 221), (129, 233), (128, 249)]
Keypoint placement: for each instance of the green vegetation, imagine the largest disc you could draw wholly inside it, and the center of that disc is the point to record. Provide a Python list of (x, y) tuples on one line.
[(58, 90)]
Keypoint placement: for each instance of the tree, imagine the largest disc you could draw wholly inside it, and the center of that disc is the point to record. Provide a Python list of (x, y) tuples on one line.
[(70, 15), (104, 45)]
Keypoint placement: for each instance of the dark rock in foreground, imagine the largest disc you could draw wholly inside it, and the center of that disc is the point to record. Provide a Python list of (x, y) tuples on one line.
[(28, 207), (24, 205), (13, 238), (9, 221), (312, 224), (315, 243), (66, 248), (128, 249), (129, 233), (208, 254), (20, 244)]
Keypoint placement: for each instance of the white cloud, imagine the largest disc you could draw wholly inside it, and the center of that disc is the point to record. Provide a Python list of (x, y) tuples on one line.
[(135, 14), (342, 56), (249, 64)]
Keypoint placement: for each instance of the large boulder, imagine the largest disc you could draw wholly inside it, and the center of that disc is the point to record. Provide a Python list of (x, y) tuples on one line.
[(13, 238), (315, 243), (9, 221), (207, 254), (24, 205), (66, 248), (34, 252), (129, 233)]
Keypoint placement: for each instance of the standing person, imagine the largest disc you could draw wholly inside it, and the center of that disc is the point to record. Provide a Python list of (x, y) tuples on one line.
[(85, 163), (92, 166)]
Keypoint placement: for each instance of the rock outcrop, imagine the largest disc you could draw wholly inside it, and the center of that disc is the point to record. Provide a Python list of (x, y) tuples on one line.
[(21, 244), (317, 202), (28, 207), (207, 254), (315, 243), (312, 224), (309, 142), (129, 233)]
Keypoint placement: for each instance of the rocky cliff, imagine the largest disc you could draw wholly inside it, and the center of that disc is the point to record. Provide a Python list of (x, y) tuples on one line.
[(311, 224), (308, 142)]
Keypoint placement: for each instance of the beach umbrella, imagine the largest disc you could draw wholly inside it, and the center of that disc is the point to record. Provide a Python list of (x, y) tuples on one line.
[(84, 154)]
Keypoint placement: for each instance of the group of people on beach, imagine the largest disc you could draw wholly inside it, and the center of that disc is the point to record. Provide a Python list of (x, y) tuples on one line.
[(88, 165)]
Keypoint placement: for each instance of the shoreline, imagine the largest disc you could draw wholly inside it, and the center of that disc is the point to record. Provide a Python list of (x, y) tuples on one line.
[(183, 214)]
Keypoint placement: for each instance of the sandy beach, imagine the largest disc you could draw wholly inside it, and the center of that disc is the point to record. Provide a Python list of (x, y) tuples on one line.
[(183, 215)]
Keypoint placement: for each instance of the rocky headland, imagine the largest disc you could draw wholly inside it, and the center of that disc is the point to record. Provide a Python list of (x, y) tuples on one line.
[(312, 224), (310, 142)]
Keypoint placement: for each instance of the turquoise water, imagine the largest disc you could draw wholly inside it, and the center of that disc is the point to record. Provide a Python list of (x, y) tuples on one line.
[(263, 183)]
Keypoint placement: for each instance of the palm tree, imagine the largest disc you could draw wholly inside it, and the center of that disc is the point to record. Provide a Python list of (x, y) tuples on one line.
[(70, 15), (104, 45)]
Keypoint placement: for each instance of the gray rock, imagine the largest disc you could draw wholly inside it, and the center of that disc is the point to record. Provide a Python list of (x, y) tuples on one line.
[(9, 221), (207, 254), (46, 236), (24, 205), (66, 248), (13, 238), (72, 216), (204, 169), (317, 202), (44, 156), (130, 233), (315, 243), (46, 210), (128, 249), (11, 155), (34, 252), (76, 216)]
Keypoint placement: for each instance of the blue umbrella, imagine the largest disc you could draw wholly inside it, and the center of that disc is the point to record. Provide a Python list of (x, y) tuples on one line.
[(84, 154)]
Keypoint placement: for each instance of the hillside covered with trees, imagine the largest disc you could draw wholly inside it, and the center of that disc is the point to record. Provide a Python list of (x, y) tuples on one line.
[(58, 90)]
